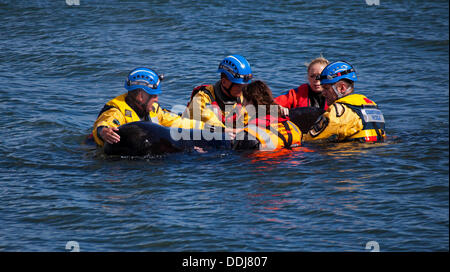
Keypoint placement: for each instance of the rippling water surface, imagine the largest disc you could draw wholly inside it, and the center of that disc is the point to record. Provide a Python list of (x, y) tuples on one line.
[(59, 64)]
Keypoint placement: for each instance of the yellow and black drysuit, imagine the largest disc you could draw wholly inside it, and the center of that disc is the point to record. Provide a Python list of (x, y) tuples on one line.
[(210, 105), (118, 112), (268, 133), (352, 117)]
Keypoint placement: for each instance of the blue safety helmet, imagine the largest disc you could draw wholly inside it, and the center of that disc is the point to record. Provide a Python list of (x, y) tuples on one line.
[(336, 71), (236, 68), (144, 78)]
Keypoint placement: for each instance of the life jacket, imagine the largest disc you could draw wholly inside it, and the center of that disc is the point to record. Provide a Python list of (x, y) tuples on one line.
[(372, 118), (129, 114), (274, 134), (302, 97), (218, 106)]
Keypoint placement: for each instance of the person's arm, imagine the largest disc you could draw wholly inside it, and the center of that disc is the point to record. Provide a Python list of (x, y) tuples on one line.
[(105, 127), (200, 109), (170, 119), (287, 100), (338, 123)]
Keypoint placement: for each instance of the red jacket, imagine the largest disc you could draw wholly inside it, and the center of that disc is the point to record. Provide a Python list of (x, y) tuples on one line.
[(295, 98)]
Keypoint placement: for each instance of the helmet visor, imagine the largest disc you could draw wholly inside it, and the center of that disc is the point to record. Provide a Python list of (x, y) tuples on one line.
[(330, 77), (143, 83), (245, 78)]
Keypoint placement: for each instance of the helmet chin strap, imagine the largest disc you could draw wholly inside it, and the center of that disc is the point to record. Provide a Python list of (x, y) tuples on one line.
[(339, 94)]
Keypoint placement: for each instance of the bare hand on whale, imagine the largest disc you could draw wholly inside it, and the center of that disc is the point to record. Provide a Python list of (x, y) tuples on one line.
[(109, 135)]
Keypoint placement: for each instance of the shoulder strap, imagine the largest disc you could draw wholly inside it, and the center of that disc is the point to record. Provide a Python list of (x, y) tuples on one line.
[(289, 133), (203, 89), (105, 108), (287, 142)]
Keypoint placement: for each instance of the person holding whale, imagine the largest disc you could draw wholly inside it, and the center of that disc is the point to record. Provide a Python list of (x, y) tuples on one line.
[(140, 103), (350, 116)]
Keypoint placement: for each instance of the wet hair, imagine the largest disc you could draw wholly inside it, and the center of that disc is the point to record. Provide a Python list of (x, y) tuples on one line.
[(319, 60), (259, 93)]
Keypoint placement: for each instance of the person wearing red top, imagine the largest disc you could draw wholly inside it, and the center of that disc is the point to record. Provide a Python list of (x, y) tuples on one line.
[(308, 94)]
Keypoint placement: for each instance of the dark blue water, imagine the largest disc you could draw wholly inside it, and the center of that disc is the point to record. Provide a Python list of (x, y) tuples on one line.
[(59, 64)]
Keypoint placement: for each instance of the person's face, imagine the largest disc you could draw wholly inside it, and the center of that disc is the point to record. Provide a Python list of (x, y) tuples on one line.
[(329, 93), (313, 72), (236, 90), (151, 99)]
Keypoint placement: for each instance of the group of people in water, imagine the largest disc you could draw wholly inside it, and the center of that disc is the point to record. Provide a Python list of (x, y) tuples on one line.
[(245, 108)]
